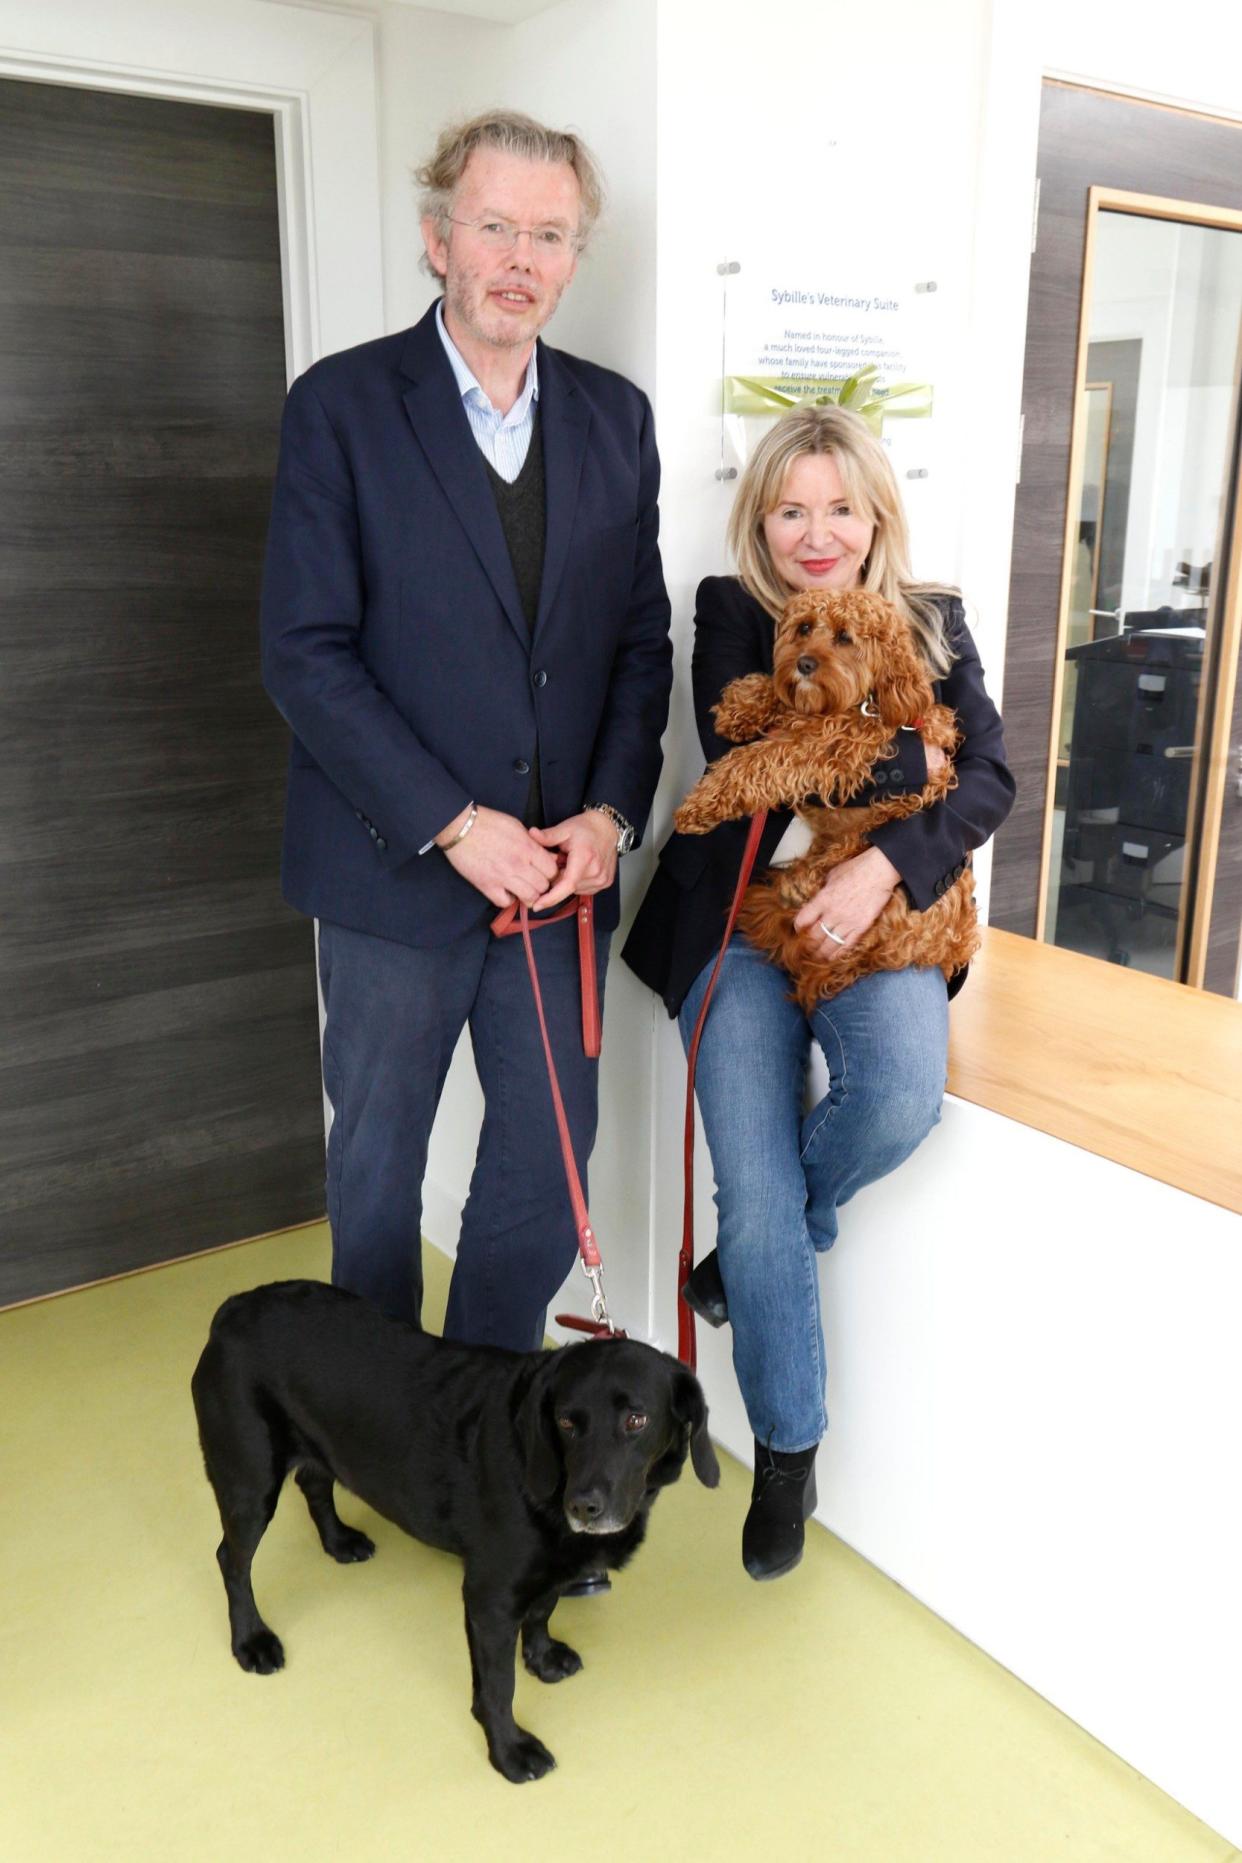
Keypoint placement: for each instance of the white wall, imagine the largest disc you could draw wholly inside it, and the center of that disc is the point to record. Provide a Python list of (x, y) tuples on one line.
[(1034, 1386), (1135, 278), (1203, 368), (1030, 1350), (431, 68), (1177, 290)]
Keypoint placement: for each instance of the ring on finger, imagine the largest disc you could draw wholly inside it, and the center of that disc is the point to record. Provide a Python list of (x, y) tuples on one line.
[(829, 933)]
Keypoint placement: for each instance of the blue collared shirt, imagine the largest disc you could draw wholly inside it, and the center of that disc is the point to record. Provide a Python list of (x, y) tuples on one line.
[(504, 439)]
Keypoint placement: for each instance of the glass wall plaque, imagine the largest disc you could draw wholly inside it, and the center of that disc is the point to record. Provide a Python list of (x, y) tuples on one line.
[(795, 329)]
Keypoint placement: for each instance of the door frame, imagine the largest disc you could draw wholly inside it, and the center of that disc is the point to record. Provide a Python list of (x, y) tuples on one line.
[(314, 72), (1002, 324), (1210, 767), (1023, 51)]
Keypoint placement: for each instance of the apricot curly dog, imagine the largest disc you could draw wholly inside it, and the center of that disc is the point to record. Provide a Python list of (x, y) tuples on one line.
[(845, 676)]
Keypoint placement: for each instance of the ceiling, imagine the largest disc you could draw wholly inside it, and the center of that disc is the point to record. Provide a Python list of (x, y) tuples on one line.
[(501, 12)]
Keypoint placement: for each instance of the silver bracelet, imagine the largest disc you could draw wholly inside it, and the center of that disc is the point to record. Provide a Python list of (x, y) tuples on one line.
[(463, 831)]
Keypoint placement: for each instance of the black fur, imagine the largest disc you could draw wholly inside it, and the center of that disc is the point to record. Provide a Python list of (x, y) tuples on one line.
[(531, 1466)]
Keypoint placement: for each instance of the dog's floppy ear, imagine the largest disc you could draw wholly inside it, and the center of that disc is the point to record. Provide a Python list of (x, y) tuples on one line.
[(540, 1439), (904, 693), (690, 1409)]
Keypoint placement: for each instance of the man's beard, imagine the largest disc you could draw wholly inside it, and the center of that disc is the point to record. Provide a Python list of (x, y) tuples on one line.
[(504, 335)]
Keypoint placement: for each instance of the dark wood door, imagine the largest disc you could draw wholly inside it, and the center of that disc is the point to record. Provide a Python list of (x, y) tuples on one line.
[(1088, 138), (159, 1080)]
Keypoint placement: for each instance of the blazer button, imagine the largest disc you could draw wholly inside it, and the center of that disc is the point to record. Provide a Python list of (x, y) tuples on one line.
[(541, 678), (521, 767), (881, 776)]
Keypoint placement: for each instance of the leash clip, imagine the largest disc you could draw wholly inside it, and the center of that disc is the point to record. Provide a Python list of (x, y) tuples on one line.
[(599, 1303)]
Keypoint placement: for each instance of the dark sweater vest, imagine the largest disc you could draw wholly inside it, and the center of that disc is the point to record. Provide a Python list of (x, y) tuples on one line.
[(523, 514)]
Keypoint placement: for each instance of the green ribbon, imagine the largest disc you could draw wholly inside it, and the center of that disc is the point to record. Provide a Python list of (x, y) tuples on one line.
[(758, 394)]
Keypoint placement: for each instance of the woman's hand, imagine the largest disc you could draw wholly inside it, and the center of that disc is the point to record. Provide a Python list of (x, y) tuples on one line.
[(849, 902), (937, 760)]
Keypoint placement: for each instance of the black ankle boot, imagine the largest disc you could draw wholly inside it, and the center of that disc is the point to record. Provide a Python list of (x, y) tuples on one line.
[(704, 1292), (781, 1500)]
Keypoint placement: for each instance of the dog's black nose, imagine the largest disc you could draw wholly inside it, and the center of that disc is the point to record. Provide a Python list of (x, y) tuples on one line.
[(586, 1507), (807, 665)]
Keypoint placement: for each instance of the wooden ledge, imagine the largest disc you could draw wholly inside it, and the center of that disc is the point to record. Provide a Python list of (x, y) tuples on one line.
[(1128, 1066)]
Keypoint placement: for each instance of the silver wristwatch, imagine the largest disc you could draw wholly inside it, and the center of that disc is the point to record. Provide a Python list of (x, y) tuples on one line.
[(626, 836)]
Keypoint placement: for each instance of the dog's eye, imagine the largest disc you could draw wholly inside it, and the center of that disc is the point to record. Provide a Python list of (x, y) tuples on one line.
[(845, 640), (805, 629), (634, 1422), (565, 1424)]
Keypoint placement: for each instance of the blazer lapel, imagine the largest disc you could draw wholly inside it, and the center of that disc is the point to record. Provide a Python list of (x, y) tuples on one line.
[(443, 432), (565, 419)]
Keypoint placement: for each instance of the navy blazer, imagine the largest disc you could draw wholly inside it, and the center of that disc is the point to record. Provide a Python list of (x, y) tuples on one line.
[(682, 918), (394, 642)]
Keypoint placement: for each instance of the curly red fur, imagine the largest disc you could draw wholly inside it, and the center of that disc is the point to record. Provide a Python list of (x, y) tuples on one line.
[(845, 676)]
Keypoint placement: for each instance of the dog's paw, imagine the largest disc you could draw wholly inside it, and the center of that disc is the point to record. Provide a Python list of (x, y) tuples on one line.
[(747, 708), (349, 1547), (695, 817), (553, 1662), (260, 1654), (521, 1759)]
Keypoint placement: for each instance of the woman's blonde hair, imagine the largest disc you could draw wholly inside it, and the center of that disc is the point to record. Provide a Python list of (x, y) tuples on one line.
[(872, 492), (511, 133)]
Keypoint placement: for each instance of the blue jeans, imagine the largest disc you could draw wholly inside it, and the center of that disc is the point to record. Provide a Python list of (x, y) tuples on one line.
[(782, 1173), (393, 1016)]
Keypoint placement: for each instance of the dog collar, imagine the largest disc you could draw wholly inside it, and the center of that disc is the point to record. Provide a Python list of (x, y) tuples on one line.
[(868, 710)]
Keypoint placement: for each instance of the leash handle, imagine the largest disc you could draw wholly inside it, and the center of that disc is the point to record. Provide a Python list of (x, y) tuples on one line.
[(596, 1328), (507, 922), (592, 1028), (686, 1345)]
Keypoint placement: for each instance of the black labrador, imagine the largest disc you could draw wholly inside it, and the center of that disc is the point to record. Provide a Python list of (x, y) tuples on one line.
[(535, 1467)]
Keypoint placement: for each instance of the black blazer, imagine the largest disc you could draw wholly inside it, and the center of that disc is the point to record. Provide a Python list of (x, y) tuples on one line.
[(395, 644), (681, 920)]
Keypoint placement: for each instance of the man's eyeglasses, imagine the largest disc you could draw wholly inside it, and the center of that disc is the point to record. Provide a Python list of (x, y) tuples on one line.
[(503, 236)]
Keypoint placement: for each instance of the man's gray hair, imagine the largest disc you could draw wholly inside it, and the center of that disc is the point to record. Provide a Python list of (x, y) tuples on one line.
[(512, 134)]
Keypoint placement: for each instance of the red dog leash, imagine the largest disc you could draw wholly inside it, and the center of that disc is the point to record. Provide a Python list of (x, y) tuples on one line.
[(508, 921), (516, 918), (686, 1346)]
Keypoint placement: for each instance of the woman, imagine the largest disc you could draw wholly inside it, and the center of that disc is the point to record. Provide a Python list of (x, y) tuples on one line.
[(817, 508)]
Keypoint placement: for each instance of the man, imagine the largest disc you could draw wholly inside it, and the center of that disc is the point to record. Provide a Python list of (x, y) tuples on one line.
[(465, 625)]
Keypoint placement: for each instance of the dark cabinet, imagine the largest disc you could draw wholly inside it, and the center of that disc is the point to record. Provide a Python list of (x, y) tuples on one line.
[(1127, 789)]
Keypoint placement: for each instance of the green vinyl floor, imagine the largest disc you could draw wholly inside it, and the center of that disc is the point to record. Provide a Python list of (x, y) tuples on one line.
[(826, 1715)]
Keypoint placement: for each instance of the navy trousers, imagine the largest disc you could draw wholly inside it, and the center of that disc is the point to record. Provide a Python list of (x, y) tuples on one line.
[(394, 1015)]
